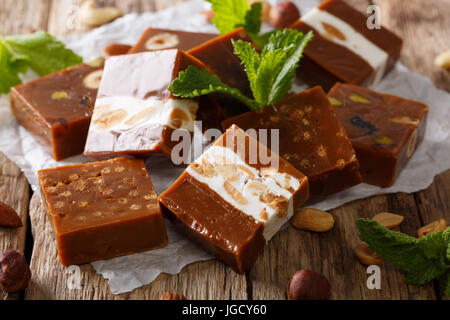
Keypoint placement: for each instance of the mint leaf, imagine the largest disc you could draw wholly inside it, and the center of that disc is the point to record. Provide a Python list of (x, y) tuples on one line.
[(423, 259), (250, 58), (42, 52), (230, 14), (195, 82), (252, 19), (9, 73)]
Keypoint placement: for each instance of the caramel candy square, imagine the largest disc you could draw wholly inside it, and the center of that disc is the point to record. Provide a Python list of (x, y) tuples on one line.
[(57, 109), (344, 48), (102, 210), (311, 139), (384, 129), (233, 199), (135, 114), (160, 39)]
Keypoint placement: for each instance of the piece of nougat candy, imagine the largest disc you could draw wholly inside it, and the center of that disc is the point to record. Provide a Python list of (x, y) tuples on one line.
[(344, 48), (102, 210), (311, 138), (57, 108), (135, 114), (234, 199), (384, 129)]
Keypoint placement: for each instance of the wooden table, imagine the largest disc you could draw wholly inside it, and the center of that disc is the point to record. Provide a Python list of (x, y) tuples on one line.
[(426, 33)]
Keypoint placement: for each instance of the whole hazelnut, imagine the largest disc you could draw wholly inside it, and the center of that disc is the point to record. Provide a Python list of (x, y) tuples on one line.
[(283, 14), (115, 49), (172, 295), (308, 285), (15, 272)]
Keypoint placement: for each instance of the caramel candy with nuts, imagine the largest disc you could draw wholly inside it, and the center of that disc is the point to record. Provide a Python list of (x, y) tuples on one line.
[(385, 130), (344, 48), (102, 210), (232, 201), (57, 108), (135, 114), (160, 39), (311, 139)]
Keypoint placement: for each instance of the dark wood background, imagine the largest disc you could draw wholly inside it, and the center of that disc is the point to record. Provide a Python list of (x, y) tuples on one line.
[(425, 27)]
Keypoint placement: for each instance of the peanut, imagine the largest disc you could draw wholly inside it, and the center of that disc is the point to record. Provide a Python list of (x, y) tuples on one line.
[(92, 16), (366, 255), (443, 60), (436, 226), (388, 220), (313, 220)]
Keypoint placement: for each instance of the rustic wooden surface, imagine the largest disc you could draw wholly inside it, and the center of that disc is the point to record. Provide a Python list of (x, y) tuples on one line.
[(425, 32)]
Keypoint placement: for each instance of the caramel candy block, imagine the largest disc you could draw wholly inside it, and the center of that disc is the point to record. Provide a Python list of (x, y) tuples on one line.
[(102, 210), (135, 114), (344, 49), (57, 109), (311, 139), (218, 55), (160, 39), (384, 129), (231, 203)]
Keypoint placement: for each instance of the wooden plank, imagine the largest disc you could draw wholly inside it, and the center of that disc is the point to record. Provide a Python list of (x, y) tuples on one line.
[(14, 191), (19, 16)]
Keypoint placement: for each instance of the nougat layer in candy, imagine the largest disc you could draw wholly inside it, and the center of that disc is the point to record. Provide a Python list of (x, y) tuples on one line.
[(384, 129), (102, 210), (135, 114), (160, 39), (231, 203), (57, 108), (311, 139), (344, 49)]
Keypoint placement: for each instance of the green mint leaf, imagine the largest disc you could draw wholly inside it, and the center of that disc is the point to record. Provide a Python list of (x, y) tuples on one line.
[(253, 19), (261, 40), (195, 82), (42, 52), (9, 72), (287, 46), (423, 259), (250, 58)]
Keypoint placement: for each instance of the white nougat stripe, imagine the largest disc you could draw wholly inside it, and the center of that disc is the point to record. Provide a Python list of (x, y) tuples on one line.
[(355, 41), (271, 179)]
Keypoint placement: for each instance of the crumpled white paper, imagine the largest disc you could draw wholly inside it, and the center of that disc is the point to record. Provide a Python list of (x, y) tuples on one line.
[(130, 272)]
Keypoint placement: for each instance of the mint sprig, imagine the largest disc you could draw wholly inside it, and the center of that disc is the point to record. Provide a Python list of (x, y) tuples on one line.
[(39, 51), (423, 259), (270, 73)]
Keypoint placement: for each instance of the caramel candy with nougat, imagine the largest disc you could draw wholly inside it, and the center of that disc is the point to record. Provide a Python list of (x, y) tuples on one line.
[(384, 129), (235, 198), (57, 108), (160, 39), (311, 139), (344, 49), (135, 114), (102, 210)]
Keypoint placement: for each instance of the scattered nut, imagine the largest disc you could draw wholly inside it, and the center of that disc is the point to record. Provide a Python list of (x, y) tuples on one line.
[(443, 60), (162, 41), (436, 226), (366, 255), (308, 285), (172, 295), (388, 220), (265, 16), (92, 16), (15, 272), (313, 220), (208, 15), (9, 217), (95, 63), (115, 49), (283, 14), (92, 80)]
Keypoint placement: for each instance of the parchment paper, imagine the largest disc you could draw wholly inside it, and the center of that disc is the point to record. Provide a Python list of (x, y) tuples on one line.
[(127, 273)]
